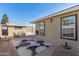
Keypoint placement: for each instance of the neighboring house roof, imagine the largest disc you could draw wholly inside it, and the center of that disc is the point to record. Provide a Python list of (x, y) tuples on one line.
[(74, 8), (13, 25)]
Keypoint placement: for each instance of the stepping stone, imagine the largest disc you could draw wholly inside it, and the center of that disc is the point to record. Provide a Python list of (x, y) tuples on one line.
[(34, 43), (28, 52), (40, 48), (47, 43), (21, 51)]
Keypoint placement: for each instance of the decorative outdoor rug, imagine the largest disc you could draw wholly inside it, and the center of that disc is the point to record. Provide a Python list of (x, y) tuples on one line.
[(30, 47)]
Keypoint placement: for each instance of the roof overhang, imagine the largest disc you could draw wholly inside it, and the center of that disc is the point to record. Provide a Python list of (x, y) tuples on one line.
[(74, 8), (13, 25)]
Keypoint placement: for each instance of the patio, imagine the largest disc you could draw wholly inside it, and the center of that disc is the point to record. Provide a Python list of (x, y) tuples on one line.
[(30, 46), (59, 51), (7, 49)]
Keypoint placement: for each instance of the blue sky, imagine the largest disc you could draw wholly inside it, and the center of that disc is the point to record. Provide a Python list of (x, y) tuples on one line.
[(23, 13)]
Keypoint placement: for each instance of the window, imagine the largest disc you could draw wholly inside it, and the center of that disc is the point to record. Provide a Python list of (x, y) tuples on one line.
[(42, 29), (69, 27), (4, 30)]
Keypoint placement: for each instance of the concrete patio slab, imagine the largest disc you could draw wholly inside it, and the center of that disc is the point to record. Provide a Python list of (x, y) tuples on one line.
[(7, 48), (59, 51)]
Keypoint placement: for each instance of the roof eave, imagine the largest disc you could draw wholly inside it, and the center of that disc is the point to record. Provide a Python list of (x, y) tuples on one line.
[(74, 8)]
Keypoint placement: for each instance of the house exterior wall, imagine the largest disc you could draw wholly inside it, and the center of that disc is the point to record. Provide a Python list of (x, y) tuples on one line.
[(53, 30), (12, 30), (0, 30), (15, 31)]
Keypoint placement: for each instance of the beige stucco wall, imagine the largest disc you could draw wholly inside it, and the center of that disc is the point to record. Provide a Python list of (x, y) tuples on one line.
[(52, 30), (12, 30)]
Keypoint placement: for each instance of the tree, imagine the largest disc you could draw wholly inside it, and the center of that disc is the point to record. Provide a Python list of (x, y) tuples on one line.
[(4, 19)]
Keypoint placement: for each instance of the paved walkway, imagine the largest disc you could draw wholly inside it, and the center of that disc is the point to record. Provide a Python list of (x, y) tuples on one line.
[(7, 49), (59, 51)]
